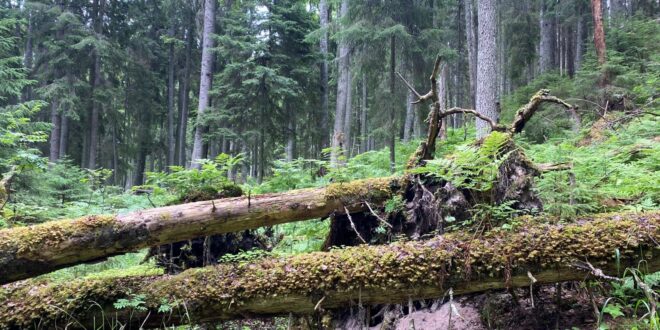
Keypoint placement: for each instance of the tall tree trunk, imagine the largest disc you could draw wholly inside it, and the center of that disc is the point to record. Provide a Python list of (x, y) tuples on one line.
[(28, 56), (348, 114), (364, 145), (392, 122), (579, 36), (472, 45), (55, 132), (185, 98), (599, 32), (410, 117), (323, 44), (171, 144), (343, 76), (291, 135), (486, 70), (64, 134), (547, 40), (96, 84), (205, 81)]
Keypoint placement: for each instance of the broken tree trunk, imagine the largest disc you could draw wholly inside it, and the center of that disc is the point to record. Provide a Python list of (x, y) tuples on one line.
[(305, 284), (39, 249)]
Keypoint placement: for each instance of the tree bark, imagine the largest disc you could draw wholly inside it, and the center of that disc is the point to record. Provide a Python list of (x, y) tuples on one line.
[(54, 153), (392, 121), (323, 45), (34, 250), (472, 49), (487, 66), (599, 32), (392, 273), (547, 41), (205, 81), (343, 61), (579, 37), (364, 143), (348, 115), (171, 144), (185, 98), (96, 84)]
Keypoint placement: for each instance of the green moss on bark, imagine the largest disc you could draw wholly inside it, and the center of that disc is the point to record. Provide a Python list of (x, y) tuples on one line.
[(439, 261)]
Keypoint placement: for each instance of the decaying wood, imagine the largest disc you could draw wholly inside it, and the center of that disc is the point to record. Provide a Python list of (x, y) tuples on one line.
[(39, 249), (392, 273)]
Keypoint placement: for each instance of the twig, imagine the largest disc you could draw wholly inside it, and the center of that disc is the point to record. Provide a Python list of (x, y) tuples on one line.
[(596, 271), (348, 215), (376, 215), (318, 304), (532, 280)]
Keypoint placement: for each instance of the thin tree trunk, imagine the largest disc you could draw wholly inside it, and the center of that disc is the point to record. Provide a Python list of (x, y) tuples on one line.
[(291, 135), (486, 70), (64, 134), (325, 111), (472, 45), (579, 37), (599, 32), (348, 114), (343, 76), (185, 98), (171, 144), (94, 118), (55, 132), (410, 108), (28, 56), (386, 274), (392, 123), (205, 81), (547, 41), (364, 143)]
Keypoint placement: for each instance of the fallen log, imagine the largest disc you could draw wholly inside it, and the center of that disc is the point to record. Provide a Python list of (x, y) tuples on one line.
[(29, 251), (307, 283)]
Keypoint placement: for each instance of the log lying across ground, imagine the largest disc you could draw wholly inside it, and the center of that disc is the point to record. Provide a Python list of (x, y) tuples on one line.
[(29, 251), (306, 283)]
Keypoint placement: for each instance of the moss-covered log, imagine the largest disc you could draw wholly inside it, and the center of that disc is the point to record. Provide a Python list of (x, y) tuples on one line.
[(39, 249), (370, 274)]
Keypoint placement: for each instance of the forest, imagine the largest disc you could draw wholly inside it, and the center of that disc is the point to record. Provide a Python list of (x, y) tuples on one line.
[(329, 164)]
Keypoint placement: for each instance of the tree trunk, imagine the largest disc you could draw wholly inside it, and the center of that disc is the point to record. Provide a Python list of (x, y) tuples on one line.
[(185, 98), (348, 115), (54, 154), (325, 112), (205, 81), (442, 99), (302, 284), (579, 37), (64, 134), (487, 66), (410, 108), (364, 143), (28, 56), (171, 144), (392, 122), (599, 32), (96, 84), (472, 49), (547, 41), (343, 61)]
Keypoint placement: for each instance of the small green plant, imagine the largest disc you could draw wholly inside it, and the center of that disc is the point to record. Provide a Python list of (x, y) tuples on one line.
[(244, 256), (394, 204)]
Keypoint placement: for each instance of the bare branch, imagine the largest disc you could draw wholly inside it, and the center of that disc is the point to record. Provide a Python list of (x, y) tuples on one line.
[(526, 112), (456, 110), (410, 87)]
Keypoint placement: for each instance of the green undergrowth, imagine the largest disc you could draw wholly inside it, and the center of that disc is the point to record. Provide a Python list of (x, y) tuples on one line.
[(621, 172)]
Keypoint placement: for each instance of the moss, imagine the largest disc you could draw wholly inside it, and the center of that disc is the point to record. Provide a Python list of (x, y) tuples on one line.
[(30, 240), (438, 261), (360, 190), (209, 192)]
